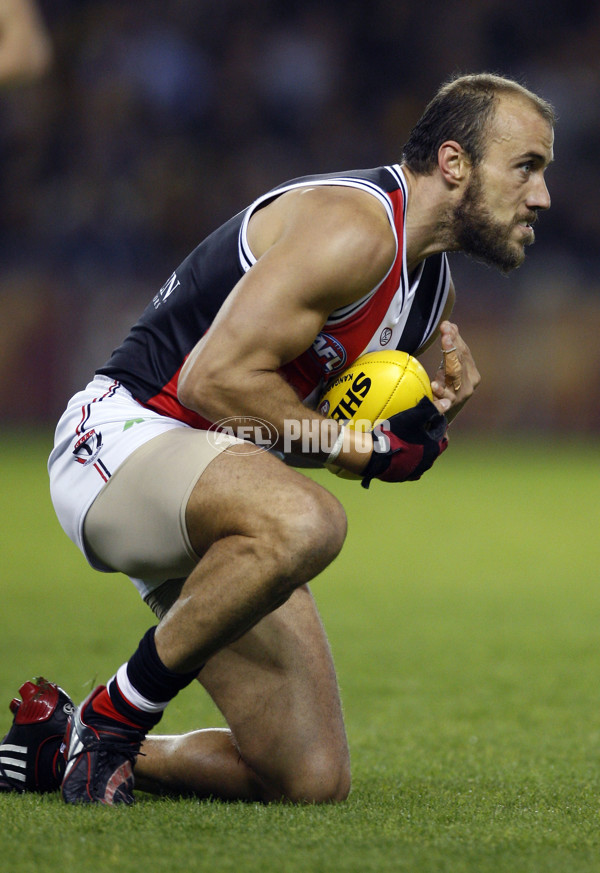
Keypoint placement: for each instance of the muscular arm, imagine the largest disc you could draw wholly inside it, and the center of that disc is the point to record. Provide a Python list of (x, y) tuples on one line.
[(318, 249)]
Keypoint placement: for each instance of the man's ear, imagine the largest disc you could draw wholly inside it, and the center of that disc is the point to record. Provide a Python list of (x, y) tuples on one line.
[(453, 162)]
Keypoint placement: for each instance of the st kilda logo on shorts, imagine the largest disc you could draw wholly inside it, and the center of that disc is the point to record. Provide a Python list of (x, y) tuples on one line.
[(87, 448), (352, 399), (86, 451)]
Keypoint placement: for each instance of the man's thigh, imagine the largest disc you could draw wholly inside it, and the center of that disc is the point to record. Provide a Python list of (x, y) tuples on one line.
[(278, 691), (137, 522)]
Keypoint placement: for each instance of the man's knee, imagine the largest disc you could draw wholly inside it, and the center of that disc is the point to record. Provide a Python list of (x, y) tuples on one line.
[(306, 533), (321, 776)]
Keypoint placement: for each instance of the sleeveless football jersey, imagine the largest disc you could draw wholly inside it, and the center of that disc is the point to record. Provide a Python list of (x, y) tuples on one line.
[(401, 312)]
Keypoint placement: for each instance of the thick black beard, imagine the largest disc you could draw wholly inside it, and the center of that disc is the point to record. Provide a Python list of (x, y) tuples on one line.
[(481, 237)]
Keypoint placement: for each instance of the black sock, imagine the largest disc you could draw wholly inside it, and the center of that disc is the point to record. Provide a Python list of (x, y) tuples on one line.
[(141, 689)]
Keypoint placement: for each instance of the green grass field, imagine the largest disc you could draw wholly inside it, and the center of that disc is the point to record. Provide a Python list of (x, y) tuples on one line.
[(464, 614)]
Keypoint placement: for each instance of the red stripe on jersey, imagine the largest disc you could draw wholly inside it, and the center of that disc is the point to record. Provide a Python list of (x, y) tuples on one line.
[(354, 333), (167, 403)]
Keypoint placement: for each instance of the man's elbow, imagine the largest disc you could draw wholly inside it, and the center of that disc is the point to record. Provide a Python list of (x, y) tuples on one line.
[(203, 389)]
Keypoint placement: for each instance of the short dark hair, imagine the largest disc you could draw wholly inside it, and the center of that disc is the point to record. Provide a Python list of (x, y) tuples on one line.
[(462, 110)]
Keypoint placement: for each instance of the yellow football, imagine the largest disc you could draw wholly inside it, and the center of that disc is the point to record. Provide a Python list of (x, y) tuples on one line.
[(376, 386)]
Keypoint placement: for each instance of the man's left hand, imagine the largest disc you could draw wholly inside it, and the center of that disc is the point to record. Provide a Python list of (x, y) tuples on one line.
[(457, 376)]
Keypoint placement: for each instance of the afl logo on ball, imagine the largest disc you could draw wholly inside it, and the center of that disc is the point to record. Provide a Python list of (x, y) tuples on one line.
[(330, 353), (385, 336)]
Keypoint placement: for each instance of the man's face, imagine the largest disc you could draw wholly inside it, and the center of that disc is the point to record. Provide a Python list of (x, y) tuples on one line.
[(493, 221)]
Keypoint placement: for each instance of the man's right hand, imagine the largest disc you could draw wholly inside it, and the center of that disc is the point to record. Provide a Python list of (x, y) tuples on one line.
[(408, 445)]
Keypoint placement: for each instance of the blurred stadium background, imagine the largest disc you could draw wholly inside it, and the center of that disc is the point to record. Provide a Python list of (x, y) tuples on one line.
[(160, 118)]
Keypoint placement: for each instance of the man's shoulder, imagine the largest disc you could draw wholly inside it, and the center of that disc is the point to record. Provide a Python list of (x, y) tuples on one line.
[(384, 179)]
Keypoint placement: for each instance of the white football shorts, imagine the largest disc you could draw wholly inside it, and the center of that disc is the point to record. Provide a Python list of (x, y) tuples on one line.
[(132, 471)]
